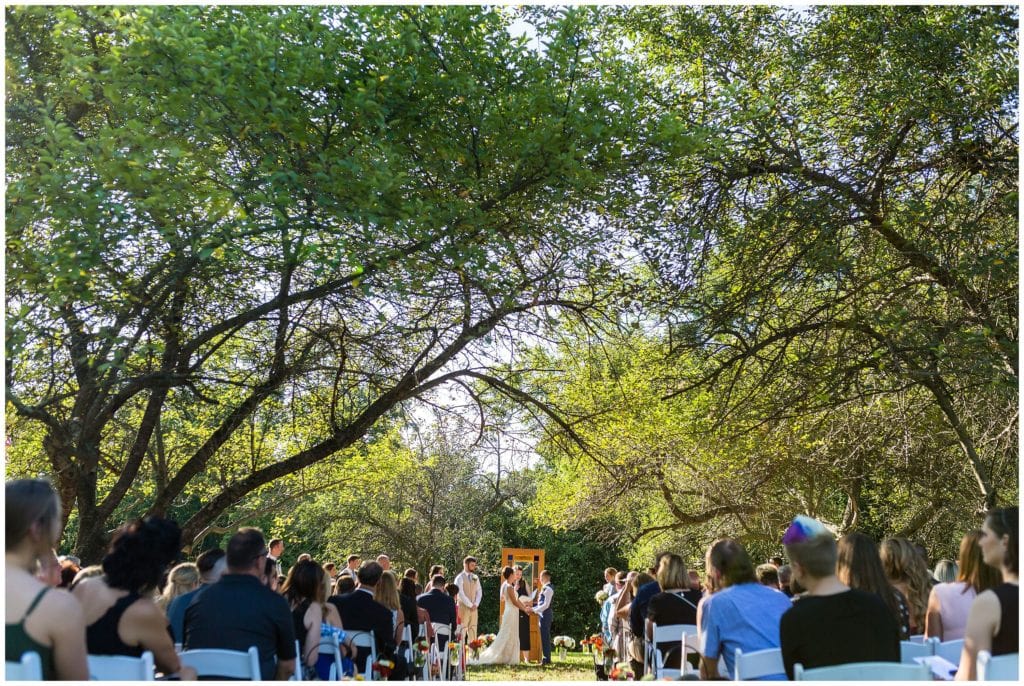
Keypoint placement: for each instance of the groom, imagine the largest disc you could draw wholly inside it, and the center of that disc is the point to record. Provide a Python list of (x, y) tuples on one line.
[(543, 610)]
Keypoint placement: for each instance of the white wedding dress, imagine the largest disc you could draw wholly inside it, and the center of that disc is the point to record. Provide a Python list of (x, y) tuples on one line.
[(505, 649)]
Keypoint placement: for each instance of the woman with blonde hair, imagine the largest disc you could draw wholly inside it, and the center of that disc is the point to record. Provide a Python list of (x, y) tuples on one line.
[(950, 603), (622, 637), (181, 580), (386, 593), (676, 604), (908, 573)]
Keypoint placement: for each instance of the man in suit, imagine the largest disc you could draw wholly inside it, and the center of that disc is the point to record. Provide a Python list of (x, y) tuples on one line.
[(438, 604), (360, 612), (543, 610)]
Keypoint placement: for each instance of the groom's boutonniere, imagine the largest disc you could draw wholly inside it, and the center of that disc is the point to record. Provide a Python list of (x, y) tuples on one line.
[(473, 577)]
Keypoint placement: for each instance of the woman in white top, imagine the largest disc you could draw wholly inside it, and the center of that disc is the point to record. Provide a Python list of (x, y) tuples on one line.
[(949, 603)]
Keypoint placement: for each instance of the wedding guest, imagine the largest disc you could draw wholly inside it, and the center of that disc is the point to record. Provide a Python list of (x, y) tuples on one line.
[(675, 604), (411, 573), (86, 573), (785, 576), (332, 571), (908, 572), (994, 621), (860, 566), (276, 548), (832, 624), (360, 612), (434, 571), (386, 594), (351, 565), (304, 591), (742, 614), (638, 611), (68, 571), (38, 617), (419, 618), (384, 561), (776, 561), (945, 572), (635, 648), (622, 638), (949, 603), (49, 568), (120, 614), (439, 605), (346, 584), (270, 578), (609, 624), (183, 579), (609, 580), (211, 565), (768, 575), (239, 611)]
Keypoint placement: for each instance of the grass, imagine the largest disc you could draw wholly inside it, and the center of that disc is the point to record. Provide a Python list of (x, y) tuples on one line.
[(577, 667)]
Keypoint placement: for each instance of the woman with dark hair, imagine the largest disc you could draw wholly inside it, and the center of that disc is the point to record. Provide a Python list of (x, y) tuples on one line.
[(415, 616), (523, 591), (121, 616), (993, 623), (306, 595), (950, 603), (270, 578), (908, 571), (860, 566), (39, 619)]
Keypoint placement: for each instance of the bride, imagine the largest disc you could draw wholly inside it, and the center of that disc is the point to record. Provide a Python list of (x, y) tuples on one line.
[(505, 649)]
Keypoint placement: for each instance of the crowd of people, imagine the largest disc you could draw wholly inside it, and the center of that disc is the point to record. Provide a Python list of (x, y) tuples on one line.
[(836, 602), (143, 597)]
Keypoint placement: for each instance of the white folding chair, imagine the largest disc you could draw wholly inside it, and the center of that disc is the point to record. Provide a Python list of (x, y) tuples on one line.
[(917, 638), (950, 650), (365, 639), (864, 671), (121, 668), (329, 646), (442, 653), (668, 633), (297, 674), (758, 664), (233, 664), (28, 668), (1000, 668), (910, 650)]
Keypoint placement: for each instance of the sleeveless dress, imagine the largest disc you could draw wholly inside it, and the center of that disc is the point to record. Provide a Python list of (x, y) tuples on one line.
[(1007, 639), (505, 649), (18, 642), (101, 637)]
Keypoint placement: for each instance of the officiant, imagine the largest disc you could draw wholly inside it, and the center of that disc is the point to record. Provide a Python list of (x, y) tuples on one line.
[(523, 590)]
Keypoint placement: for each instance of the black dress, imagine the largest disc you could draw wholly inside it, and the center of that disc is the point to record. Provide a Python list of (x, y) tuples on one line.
[(524, 619)]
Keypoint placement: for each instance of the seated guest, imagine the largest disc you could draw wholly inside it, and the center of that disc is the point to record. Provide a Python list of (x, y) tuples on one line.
[(182, 579), (360, 612), (950, 602), (767, 575), (411, 573), (908, 572), (68, 571), (120, 614), (49, 568), (39, 618), (993, 623), (210, 565), (434, 571), (86, 573), (417, 618), (860, 566), (635, 646), (945, 572), (346, 584), (386, 593), (675, 604), (439, 605), (638, 613), (785, 577), (270, 578), (239, 611), (741, 614), (304, 591), (832, 624)]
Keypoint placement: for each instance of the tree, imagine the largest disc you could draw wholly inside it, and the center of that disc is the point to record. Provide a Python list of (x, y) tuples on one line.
[(222, 219), (851, 230)]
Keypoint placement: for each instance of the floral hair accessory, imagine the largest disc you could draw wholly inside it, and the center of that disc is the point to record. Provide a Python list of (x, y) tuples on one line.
[(802, 529)]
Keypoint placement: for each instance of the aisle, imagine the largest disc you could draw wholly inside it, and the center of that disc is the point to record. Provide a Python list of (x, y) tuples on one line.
[(577, 667)]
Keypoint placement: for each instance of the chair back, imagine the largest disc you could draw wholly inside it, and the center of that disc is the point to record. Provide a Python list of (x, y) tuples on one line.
[(28, 668), (442, 653), (329, 646), (366, 639), (121, 667), (758, 663), (864, 671), (666, 633), (917, 638), (910, 650), (297, 674), (233, 664), (950, 650), (999, 668)]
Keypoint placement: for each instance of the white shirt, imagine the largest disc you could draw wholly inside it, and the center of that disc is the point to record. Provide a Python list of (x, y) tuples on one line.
[(459, 581), (546, 595)]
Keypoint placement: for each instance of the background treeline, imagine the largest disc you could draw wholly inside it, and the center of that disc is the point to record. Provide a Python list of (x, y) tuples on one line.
[(395, 278)]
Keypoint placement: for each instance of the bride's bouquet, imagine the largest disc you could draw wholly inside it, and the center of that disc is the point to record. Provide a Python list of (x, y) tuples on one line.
[(601, 596)]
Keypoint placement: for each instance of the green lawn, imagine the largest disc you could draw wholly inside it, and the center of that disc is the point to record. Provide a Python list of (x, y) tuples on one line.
[(577, 667)]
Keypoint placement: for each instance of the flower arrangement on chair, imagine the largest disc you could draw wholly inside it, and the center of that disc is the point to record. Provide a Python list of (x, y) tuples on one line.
[(383, 667), (621, 672), (475, 646), (420, 649), (488, 639)]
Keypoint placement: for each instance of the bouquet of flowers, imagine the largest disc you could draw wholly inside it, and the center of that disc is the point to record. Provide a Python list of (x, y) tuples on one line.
[(564, 644), (601, 596), (420, 649), (621, 672), (488, 639), (383, 667), (475, 645), (585, 644)]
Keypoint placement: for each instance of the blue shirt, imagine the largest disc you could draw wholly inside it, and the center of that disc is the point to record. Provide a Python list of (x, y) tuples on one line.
[(638, 608), (745, 616), (176, 613)]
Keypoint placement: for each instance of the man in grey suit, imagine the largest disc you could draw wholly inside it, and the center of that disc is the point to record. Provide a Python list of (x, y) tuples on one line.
[(543, 610)]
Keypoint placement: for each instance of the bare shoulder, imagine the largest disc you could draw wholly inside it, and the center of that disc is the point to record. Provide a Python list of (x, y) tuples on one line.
[(59, 605), (987, 601)]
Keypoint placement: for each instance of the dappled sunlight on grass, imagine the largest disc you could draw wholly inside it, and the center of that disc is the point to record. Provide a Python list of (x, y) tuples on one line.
[(577, 667)]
